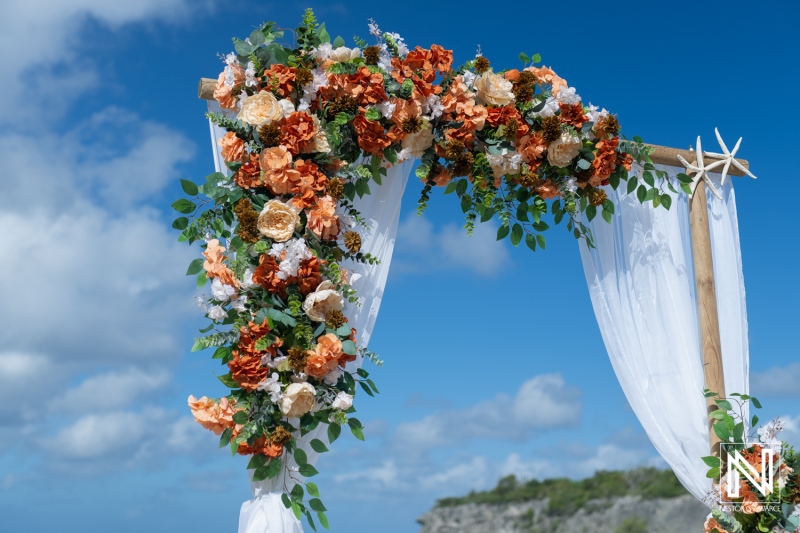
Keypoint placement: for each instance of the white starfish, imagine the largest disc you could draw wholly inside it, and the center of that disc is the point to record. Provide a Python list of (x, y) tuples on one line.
[(700, 170), (729, 157)]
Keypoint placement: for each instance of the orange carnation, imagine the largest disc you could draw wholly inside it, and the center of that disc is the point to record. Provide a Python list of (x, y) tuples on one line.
[(532, 149), (322, 220), (497, 116), (249, 174), (573, 114), (372, 138), (364, 86), (309, 181), (266, 275), (297, 129), (281, 79), (605, 161), (309, 275), (278, 173), (214, 264)]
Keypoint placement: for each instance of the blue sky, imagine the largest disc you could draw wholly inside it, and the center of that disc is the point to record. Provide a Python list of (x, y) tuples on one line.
[(494, 363)]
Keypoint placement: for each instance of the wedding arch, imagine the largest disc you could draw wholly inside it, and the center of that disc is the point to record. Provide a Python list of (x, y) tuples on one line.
[(314, 142)]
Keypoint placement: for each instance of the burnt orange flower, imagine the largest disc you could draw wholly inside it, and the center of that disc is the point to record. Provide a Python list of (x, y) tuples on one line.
[(215, 266), (249, 174), (278, 172), (223, 93), (511, 75), (532, 148), (309, 275), (266, 275), (245, 366), (625, 159), (273, 449), (508, 116), (372, 138), (296, 129), (547, 189), (712, 524), (308, 182), (281, 79), (605, 161), (573, 114), (364, 86), (232, 147)]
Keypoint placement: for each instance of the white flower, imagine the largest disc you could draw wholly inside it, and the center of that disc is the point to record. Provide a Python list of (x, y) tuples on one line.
[(231, 59), (297, 400), (386, 108), (562, 151), (343, 401), (432, 107), (267, 360), (417, 143), (272, 385), (550, 108), (594, 114), (469, 78), (373, 29), (332, 378), (493, 89), (344, 54), (768, 435), (320, 303), (250, 75), (201, 303), (238, 304), (402, 48), (296, 252), (247, 281), (322, 52), (568, 96), (504, 163), (287, 107), (216, 312), (346, 221), (221, 291), (571, 184)]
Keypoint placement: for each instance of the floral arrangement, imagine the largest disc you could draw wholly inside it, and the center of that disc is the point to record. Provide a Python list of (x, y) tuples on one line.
[(311, 124), (743, 508)]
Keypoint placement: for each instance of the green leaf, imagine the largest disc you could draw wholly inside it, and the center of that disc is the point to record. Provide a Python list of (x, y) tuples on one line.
[(684, 178), (524, 58), (649, 179), (713, 473), (261, 473), (180, 223), (195, 267), (184, 206), (273, 468), (722, 431), (530, 241), (242, 48), (366, 388), (754, 421), (516, 234), (355, 428), (632, 182), (318, 446), (536, 58), (338, 42), (228, 381), (608, 205), (540, 239), (297, 510), (316, 504), (286, 501), (334, 430), (201, 279), (349, 347), (344, 331), (257, 461), (225, 438), (307, 470), (606, 216), (651, 195), (666, 201), (300, 457), (755, 402), (641, 193), (312, 490), (324, 37), (373, 114), (724, 404), (591, 212), (297, 493), (712, 461), (323, 520), (240, 417), (451, 187), (371, 384), (502, 232), (189, 187)]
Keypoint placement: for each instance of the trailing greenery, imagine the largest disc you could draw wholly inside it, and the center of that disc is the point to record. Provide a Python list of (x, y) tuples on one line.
[(566, 496)]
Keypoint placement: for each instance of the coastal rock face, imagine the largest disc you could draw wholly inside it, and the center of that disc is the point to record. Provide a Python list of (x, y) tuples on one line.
[(683, 514)]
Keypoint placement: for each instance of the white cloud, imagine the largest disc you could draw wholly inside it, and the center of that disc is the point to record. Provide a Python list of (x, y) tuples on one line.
[(111, 391), (777, 381), (543, 402), (421, 248), (42, 69)]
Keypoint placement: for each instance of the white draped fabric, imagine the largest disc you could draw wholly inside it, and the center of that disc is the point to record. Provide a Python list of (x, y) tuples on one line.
[(265, 513), (641, 282)]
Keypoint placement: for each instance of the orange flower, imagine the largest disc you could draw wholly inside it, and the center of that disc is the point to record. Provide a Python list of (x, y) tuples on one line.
[(751, 504), (325, 356), (545, 76), (232, 147), (297, 129), (278, 173), (322, 220), (625, 159), (605, 161), (532, 148), (266, 275), (511, 75), (497, 116), (308, 182), (224, 94), (460, 103), (273, 450), (547, 190), (712, 524), (371, 136), (309, 275), (364, 86), (214, 264), (249, 174), (245, 366), (404, 110), (212, 415), (573, 114), (281, 78)]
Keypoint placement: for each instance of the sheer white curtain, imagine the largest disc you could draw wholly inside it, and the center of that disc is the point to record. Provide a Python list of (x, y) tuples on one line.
[(265, 512), (641, 283)]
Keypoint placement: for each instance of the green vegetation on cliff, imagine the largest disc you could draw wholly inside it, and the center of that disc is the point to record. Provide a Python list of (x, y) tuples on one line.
[(566, 496)]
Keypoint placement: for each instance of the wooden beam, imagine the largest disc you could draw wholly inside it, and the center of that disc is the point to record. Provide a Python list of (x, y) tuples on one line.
[(662, 155), (708, 318)]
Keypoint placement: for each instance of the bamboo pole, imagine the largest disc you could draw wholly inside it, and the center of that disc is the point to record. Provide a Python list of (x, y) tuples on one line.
[(707, 315), (662, 155)]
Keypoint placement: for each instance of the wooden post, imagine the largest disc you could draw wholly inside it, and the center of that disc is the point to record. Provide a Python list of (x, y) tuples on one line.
[(707, 315)]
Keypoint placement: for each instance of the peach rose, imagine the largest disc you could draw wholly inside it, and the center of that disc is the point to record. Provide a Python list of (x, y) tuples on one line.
[(322, 219), (214, 264), (319, 304), (232, 147), (276, 162), (260, 109), (327, 355), (417, 143), (297, 400), (278, 220), (531, 147), (223, 93), (546, 76), (212, 415), (563, 150), (493, 89)]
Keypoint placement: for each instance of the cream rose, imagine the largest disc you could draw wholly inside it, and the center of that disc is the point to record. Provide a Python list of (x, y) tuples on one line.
[(297, 400), (320, 141), (260, 109), (343, 54), (287, 107), (278, 220), (493, 89), (343, 401), (319, 304), (563, 150), (417, 143)]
